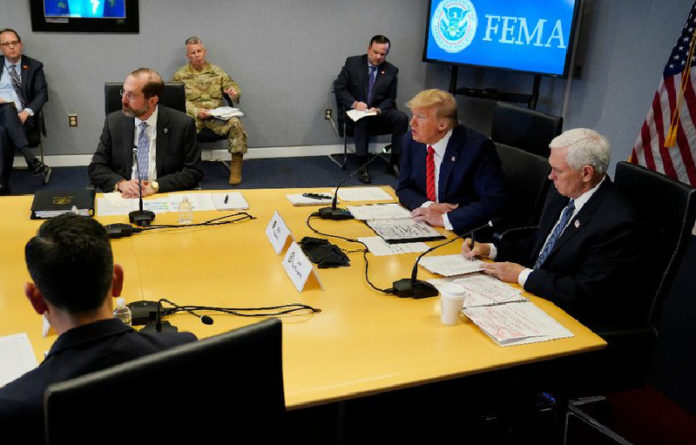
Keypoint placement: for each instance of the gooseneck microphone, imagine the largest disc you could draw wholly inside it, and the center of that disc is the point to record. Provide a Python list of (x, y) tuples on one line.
[(140, 217), (415, 288), (337, 213)]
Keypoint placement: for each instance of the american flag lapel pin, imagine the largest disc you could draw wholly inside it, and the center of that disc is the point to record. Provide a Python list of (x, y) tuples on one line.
[(577, 224), (166, 130), (453, 158)]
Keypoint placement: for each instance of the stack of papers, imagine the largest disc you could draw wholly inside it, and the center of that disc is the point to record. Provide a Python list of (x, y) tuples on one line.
[(482, 290), (225, 113), (356, 115), (17, 357), (379, 211), (114, 204), (378, 247), (363, 194), (450, 265), (403, 230)]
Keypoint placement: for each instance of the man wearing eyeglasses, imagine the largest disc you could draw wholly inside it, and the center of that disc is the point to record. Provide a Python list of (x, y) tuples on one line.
[(146, 145), (22, 95)]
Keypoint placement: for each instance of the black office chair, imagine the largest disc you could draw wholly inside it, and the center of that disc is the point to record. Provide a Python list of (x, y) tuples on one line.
[(345, 129), (223, 389), (668, 210), (526, 176), (526, 129), (174, 96)]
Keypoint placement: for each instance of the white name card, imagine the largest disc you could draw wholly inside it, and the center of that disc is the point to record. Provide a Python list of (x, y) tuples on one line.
[(298, 267), (277, 232)]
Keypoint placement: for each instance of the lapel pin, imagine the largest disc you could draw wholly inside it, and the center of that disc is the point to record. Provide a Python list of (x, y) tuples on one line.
[(577, 224), (453, 158), (165, 130)]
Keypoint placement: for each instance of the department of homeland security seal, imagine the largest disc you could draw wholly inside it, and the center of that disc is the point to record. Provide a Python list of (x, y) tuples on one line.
[(453, 25)]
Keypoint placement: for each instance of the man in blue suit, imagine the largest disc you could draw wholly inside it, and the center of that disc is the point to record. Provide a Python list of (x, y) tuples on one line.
[(450, 175), (23, 93), (368, 83)]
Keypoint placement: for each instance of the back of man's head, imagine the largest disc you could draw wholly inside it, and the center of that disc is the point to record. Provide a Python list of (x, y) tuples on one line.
[(154, 85), (585, 147), (71, 263)]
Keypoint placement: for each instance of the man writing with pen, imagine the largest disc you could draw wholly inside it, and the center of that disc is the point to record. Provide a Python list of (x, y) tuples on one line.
[(585, 254), (146, 146)]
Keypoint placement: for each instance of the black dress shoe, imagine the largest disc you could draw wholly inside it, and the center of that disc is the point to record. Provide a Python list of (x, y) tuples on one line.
[(364, 175), (38, 168)]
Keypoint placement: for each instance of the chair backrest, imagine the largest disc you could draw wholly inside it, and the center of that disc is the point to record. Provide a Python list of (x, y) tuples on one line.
[(174, 96), (225, 387), (526, 175), (667, 209), (526, 129)]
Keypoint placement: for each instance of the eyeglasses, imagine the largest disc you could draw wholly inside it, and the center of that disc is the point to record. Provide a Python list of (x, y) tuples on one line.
[(12, 43), (129, 96)]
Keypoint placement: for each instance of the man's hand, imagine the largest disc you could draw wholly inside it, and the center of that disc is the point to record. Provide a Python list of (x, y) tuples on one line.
[(23, 116), (376, 110), (433, 213), (508, 272), (203, 113), (480, 250), (128, 189), (232, 93), (361, 106), (147, 188)]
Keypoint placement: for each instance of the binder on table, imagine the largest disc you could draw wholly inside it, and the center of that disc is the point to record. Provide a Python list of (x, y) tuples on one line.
[(51, 203)]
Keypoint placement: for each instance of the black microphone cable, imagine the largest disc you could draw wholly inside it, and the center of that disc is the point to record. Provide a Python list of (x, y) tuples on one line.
[(262, 311), (351, 240)]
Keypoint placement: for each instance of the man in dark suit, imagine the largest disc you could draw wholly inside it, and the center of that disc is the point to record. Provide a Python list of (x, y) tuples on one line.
[(74, 279), (368, 83), (22, 95), (168, 157), (584, 256), (450, 175)]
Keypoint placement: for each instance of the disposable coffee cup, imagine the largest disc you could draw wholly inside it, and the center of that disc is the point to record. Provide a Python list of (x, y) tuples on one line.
[(452, 300)]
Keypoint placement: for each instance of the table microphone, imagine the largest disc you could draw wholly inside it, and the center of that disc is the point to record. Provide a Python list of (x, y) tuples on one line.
[(337, 213), (140, 217), (415, 288)]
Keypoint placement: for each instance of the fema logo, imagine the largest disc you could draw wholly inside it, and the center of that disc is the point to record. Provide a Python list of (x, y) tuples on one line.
[(453, 25)]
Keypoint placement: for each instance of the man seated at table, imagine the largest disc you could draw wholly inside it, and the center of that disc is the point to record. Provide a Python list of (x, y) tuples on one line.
[(168, 157), (205, 85), (584, 256), (450, 175), (74, 282)]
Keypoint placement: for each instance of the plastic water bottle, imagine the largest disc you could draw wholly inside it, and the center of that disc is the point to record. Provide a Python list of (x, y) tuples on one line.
[(123, 312), (185, 212)]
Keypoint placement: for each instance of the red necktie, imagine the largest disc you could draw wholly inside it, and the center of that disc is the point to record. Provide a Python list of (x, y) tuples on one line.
[(430, 174)]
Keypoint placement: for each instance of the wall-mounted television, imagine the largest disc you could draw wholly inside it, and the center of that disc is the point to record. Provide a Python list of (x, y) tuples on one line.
[(85, 15), (532, 36)]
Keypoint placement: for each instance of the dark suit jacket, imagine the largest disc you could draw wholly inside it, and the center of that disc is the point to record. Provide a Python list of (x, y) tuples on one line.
[(79, 351), (593, 271), (178, 157), (470, 175), (351, 84), (33, 84)]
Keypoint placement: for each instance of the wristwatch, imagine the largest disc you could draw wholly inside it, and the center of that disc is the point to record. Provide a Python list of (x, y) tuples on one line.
[(155, 186)]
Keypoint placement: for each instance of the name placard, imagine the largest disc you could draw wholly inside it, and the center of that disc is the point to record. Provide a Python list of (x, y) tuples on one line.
[(278, 232), (298, 267)]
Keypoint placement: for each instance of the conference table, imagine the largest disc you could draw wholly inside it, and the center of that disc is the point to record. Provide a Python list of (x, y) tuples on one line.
[(363, 342)]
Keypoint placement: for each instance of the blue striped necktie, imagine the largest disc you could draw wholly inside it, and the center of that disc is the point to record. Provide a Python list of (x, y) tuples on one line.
[(557, 231), (143, 152), (371, 83), (17, 85)]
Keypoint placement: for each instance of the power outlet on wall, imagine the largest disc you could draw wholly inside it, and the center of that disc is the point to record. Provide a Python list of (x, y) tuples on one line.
[(72, 120), (328, 113)]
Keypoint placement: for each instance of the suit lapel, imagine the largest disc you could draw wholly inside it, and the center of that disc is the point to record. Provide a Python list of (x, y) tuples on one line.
[(584, 216), (128, 135), (448, 162), (162, 138), (24, 77)]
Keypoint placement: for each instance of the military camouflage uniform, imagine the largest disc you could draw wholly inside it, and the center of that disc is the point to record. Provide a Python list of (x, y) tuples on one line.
[(204, 89)]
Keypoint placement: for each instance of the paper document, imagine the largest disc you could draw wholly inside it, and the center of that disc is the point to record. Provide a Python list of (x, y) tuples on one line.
[(403, 230), (199, 201), (229, 201), (17, 357), (379, 211), (225, 113), (516, 323), (449, 265), (481, 290), (363, 194), (298, 199), (378, 247), (112, 204), (356, 115)]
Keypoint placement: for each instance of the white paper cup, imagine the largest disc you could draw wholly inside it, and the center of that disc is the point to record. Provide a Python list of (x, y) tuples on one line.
[(452, 300)]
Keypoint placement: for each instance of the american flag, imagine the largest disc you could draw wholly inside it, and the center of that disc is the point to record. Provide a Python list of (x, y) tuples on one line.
[(674, 105)]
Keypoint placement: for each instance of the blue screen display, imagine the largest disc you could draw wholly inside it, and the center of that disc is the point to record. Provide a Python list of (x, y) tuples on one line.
[(85, 8), (521, 35)]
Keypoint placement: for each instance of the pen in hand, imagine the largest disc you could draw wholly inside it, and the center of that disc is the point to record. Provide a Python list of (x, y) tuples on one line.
[(471, 245)]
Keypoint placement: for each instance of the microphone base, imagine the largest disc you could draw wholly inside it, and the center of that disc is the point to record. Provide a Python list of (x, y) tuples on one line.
[(408, 288), (334, 213), (166, 327), (141, 218)]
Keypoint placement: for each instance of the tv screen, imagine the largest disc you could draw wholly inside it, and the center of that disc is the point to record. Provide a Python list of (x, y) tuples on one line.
[(85, 15), (533, 36)]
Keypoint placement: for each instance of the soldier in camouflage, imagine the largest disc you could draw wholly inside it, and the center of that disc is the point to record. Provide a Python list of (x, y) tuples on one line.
[(205, 85)]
